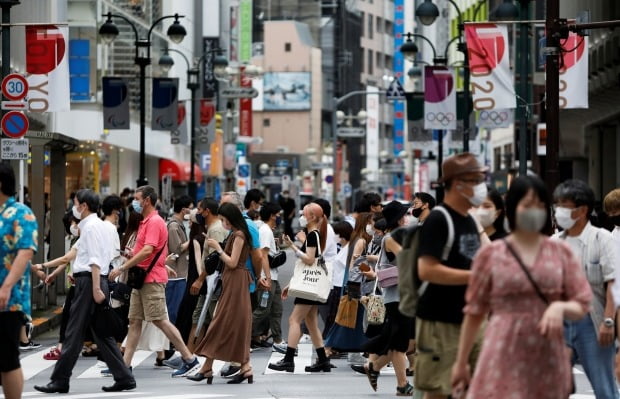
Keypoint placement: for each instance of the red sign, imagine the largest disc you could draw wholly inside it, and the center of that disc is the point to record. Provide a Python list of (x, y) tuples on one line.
[(14, 87), (207, 112), (14, 124), (245, 109)]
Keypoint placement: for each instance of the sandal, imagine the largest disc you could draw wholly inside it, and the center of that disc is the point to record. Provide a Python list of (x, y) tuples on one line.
[(407, 390), (53, 354), (373, 376)]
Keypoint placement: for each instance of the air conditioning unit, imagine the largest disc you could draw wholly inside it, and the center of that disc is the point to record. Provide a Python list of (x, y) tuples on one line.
[(282, 149)]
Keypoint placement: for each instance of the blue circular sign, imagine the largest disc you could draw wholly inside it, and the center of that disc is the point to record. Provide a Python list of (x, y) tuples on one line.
[(329, 179), (15, 124)]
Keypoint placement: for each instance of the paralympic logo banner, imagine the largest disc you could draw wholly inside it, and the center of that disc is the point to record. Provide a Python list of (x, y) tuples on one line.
[(47, 67), (439, 98), (492, 82), (115, 103), (165, 108), (495, 118), (574, 72)]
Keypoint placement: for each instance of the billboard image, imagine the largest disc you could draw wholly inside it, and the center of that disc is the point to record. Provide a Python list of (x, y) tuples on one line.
[(286, 91)]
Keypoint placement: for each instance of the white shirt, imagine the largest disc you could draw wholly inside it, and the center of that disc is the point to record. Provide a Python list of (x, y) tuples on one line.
[(595, 249), (115, 249), (331, 245), (338, 266), (615, 288), (95, 246), (267, 240)]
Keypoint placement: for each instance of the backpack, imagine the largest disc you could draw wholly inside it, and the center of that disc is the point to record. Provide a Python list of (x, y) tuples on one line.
[(410, 286)]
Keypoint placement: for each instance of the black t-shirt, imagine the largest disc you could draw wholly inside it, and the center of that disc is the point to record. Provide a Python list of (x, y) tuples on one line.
[(311, 242), (445, 303)]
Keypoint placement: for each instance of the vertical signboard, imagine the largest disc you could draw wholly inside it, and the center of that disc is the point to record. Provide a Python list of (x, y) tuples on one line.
[(165, 108), (245, 31), (245, 108), (115, 103), (209, 83), (399, 67), (233, 34), (372, 132)]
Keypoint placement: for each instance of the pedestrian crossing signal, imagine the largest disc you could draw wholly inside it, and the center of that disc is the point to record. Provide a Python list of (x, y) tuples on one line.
[(395, 91)]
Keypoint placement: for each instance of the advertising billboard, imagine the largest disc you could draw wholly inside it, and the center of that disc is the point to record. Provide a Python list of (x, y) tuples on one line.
[(286, 91)]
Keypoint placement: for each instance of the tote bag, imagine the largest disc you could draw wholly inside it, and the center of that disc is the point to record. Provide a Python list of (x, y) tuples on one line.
[(312, 282), (375, 309)]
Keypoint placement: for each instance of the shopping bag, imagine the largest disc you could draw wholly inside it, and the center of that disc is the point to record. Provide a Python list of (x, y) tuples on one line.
[(347, 312), (312, 282)]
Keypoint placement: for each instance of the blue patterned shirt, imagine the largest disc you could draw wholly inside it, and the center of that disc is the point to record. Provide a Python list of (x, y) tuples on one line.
[(18, 229)]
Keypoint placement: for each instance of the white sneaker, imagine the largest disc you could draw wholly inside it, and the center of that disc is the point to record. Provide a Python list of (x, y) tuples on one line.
[(305, 339)]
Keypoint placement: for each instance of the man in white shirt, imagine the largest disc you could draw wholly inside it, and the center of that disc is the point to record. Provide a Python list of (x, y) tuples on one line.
[(268, 314), (91, 288), (611, 205)]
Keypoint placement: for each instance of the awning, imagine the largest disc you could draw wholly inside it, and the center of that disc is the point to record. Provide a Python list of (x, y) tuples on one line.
[(179, 170)]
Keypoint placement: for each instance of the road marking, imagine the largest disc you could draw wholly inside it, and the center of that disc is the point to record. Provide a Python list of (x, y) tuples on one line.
[(34, 363), (95, 371)]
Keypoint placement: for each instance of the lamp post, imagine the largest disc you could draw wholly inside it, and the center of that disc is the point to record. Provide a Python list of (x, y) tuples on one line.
[(109, 32), (427, 13), (193, 75)]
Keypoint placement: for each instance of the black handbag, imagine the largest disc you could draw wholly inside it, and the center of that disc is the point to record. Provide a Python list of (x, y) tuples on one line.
[(136, 275), (212, 263), (120, 292), (277, 260), (108, 323)]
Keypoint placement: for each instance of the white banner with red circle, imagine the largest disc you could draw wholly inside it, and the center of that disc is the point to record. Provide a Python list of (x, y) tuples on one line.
[(492, 82), (439, 98), (574, 72)]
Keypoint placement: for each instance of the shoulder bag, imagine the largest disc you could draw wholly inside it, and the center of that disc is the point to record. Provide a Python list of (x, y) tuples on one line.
[(387, 274), (375, 309), (136, 275), (312, 282)]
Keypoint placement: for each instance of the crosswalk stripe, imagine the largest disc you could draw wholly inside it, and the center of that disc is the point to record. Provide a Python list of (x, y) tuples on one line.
[(34, 363), (95, 371)]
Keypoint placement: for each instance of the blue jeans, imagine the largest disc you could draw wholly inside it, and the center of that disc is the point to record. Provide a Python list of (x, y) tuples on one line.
[(175, 289), (597, 361)]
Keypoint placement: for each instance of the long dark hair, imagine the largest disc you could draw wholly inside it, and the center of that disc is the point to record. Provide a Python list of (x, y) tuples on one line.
[(498, 202), (133, 223), (361, 221), (236, 220)]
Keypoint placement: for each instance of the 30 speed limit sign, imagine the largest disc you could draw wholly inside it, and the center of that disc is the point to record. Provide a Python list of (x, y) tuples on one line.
[(14, 87)]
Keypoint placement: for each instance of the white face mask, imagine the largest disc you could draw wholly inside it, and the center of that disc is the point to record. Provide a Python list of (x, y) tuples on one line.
[(75, 232), (370, 230), (410, 220), (563, 217), (480, 194), (485, 216), (303, 222), (76, 213)]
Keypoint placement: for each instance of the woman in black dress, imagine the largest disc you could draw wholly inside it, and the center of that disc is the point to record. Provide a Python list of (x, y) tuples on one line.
[(305, 310)]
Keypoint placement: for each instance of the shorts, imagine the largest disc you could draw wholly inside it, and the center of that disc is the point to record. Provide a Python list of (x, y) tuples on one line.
[(437, 346), (148, 303), (10, 329)]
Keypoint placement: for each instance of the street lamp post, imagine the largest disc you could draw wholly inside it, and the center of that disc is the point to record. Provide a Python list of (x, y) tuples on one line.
[(109, 32), (193, 75)]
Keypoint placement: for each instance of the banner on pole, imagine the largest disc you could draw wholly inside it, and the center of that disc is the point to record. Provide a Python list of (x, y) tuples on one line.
[(115, 103), (245, 108), (164, 113), (574, 72), (179, 135), (439, 98), (47, 67), (492, 82), (495, 118)]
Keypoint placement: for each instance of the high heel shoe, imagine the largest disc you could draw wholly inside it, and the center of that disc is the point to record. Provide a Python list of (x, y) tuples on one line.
[(242, 376), (207, 375), (373, 376)]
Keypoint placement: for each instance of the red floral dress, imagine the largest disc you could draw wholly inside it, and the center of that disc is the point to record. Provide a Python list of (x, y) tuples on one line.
[(516, 360)]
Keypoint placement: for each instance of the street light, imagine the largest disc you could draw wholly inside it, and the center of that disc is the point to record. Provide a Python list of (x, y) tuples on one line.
[(193, 74), (109, 32)]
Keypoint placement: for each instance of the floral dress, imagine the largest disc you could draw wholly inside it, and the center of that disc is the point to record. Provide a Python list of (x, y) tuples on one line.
[(516, 360)]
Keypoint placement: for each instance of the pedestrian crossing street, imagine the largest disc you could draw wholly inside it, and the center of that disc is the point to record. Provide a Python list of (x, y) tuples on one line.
[(34, 366)]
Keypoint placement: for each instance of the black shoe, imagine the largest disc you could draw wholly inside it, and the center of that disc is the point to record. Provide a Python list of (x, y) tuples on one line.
[(202, 376), (358, 368), (52, 387), (324, 366), (120, 386), (231, 371), (282, 365)]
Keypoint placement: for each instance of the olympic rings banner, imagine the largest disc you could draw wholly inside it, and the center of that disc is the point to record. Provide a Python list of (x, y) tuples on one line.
[(492, 82), (574, 72), (495, 118), (439, 98)]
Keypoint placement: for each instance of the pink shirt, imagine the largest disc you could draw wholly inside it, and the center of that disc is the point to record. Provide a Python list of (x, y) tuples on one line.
[(153, 232)]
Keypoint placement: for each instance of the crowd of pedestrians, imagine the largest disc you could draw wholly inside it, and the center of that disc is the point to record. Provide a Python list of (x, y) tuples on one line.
[(525, 276)]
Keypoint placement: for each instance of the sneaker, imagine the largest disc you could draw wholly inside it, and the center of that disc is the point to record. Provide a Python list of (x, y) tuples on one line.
[(187, 368), (175, 363), (305, 339), (28, 346), (281, 348), (230, 371)]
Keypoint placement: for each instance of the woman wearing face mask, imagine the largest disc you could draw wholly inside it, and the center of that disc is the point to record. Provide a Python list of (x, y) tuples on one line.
[(315, 222), (527, 313), (490, 215)]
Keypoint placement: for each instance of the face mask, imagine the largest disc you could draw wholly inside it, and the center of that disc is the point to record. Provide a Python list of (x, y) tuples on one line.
[(416, 212), (75, 232), (563, 217), (615, 220), (480, 194), (486, 217), (531, 220), (410, 220), (278, 220), (186, 216), (136, 206), (76, 213), (370, 230), (200, 219), (303, 222)]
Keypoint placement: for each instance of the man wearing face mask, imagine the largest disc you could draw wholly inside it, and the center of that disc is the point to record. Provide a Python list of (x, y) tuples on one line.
[(423, 204), (591, 338), (178, 244), (440, 307)]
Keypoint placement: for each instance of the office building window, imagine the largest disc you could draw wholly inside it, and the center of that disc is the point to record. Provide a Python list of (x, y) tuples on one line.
[(370, 26), (370, 62), (379, 62), (362, 19), (287, 47), (379, 25), (266, 122)]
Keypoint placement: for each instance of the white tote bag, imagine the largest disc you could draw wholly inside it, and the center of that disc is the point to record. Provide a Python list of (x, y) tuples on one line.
[(312, 282)]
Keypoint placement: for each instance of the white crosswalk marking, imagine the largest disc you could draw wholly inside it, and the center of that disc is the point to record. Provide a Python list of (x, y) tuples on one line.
[(34, 363)]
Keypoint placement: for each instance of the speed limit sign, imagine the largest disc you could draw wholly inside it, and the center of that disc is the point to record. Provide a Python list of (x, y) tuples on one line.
[(14, 87)]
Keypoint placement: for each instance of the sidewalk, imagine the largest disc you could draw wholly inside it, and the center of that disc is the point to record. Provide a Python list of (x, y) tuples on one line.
[(45, 320)]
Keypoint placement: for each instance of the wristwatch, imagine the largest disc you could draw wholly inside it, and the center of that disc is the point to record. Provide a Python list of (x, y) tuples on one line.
[(609, 322)]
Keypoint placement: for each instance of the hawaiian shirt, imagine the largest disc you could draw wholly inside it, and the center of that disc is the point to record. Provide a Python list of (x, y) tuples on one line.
[(18, 230)]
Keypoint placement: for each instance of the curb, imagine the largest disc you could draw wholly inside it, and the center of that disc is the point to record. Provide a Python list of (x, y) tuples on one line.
[(47, 322)]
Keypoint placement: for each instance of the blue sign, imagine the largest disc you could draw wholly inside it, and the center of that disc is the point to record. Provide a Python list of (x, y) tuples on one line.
[(205, 161), (14, 124), (282, 163), (244, 170)]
